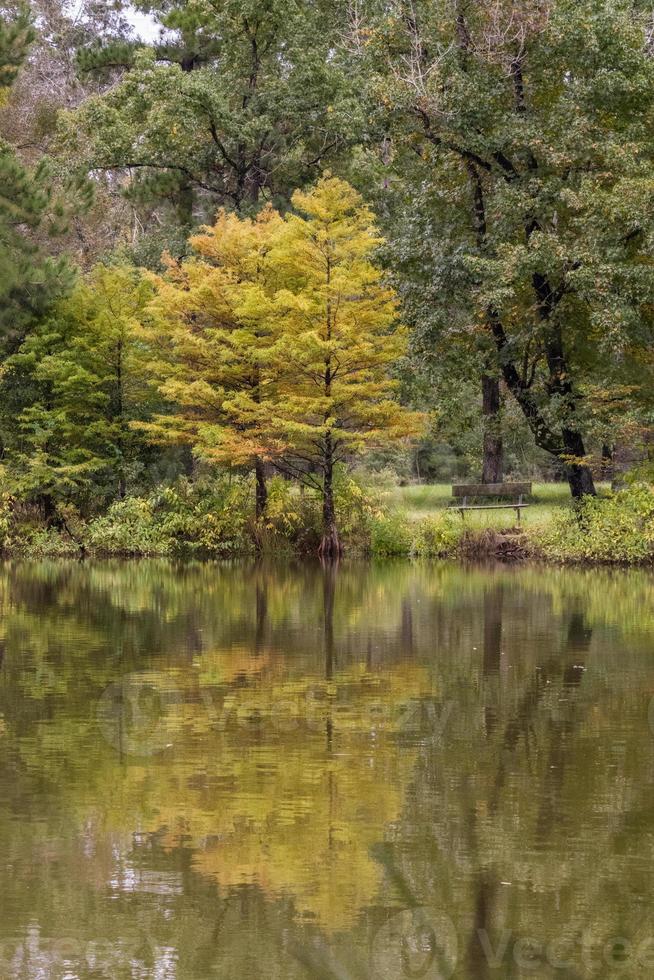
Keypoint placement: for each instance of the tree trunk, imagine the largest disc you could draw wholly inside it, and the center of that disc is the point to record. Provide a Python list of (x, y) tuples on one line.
[(559, 383), (570, 442), (493, 468), (48, 509), (262, 489), (580, 476), (330, 546)]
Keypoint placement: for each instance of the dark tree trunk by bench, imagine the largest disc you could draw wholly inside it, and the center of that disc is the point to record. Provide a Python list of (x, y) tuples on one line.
[(580, 476), (493, 468)]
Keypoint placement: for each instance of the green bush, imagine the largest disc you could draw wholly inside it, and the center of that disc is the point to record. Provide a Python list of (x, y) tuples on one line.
[(437, 536), (128, 528), (391, 535), (211, 518), (394, 534), (356, 505), (7, 520), (294, 516), (49, 543), (617, 528), (291, 521)]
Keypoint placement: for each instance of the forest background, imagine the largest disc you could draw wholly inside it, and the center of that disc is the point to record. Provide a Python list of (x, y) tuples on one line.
[(279, 259)]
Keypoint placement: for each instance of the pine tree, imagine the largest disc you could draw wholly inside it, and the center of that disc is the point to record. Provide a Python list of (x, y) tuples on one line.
[(16, 35), (28, 280), (276, 341), (236, 105), (239, 105)]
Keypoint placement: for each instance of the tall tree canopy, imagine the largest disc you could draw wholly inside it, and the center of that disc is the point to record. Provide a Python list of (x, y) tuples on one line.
[(238, 104), (277, 341), (214, 360), (521, 134), (29, 211), (84, 367), (338, 342)]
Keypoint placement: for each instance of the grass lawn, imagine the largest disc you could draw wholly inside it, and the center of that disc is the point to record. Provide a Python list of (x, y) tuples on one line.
[(421, 500)]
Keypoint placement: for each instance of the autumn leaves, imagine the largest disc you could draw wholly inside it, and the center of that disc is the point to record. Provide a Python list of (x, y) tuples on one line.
[(275, 343)]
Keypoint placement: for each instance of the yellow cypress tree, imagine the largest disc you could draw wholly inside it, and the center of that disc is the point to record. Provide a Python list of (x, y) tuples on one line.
[(338, 338), (214, 352)]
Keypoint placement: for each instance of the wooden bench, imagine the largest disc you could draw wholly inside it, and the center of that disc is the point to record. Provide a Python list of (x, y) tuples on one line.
[(471, 491)]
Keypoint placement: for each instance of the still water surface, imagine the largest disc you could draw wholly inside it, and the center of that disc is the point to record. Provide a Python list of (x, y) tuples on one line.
[(288, 772)]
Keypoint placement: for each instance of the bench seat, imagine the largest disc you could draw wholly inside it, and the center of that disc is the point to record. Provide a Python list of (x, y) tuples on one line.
[(463, 492), (507, 506)]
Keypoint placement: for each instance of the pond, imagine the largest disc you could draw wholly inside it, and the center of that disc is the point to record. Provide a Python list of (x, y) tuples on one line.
[(375, 771)]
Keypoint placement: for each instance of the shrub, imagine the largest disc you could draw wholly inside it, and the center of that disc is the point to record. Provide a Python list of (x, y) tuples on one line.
[(391, 535), (284, 520), (294, 516), (49, 543), (210, 518), (7, 521), (394, 534), (617, 528), (128, 528), (437, 536), (356, 505)]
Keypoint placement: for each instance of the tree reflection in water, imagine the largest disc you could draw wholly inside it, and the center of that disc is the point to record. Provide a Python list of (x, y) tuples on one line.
[(295, 764)]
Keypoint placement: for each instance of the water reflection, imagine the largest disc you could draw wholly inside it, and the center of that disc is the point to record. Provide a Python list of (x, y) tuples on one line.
[(372, 771)]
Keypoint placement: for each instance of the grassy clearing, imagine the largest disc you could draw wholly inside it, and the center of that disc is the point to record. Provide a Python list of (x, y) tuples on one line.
[(420, 501)]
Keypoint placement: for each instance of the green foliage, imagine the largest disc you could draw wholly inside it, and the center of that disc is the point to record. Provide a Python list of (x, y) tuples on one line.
[(437, 536), (130, 527), (393, 534), (214, 519), (338, 335), (83, 370), (206, 520), (7, 503), (293, 520), (516, 169), (43, 542), (29, 279), (618, 528), (211, 347), (240, 102), (16, 35), (276, 341)]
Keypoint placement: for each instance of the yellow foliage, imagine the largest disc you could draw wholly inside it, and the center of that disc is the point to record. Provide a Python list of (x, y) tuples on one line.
[(214, 355), (278, 336)]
